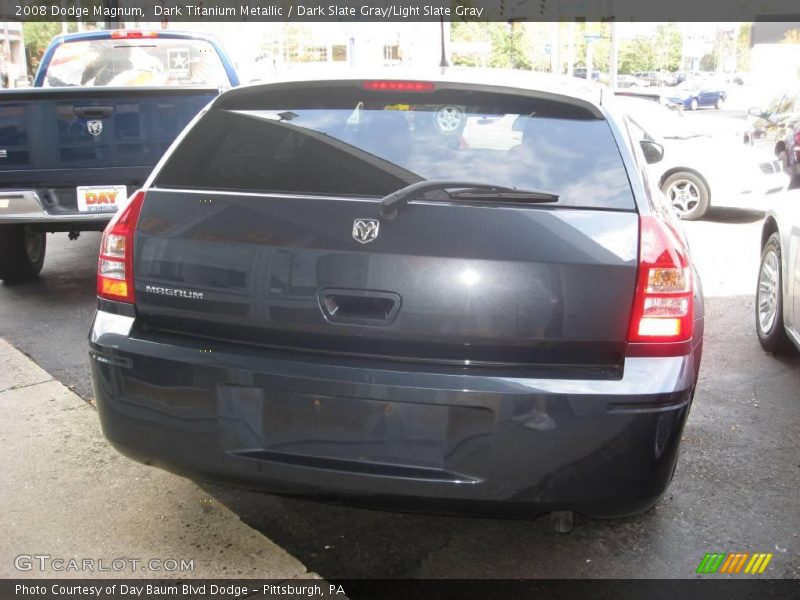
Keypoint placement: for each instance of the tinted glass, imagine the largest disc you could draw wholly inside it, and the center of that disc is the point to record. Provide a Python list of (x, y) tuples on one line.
[(371, 144), (142, 62)]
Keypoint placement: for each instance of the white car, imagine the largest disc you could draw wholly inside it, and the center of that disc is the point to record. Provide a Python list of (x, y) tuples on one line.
[(778, 292), (699, 170)]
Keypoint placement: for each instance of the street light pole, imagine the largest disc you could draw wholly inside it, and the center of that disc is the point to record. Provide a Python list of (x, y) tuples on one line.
[(443, 61), (614, 64)]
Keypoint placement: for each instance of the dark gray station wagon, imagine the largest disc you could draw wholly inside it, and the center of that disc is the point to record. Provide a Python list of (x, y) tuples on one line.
[(439, 292)]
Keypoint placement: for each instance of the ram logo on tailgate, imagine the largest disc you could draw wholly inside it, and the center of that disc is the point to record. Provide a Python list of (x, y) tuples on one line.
[(178, 293), (94, 127)]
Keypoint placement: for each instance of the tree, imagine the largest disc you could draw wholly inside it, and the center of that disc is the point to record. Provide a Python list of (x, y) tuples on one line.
[(791, 37), (38, 36), (471, 32), (510, 46), (637, 55), (668, 47), (709, 61)]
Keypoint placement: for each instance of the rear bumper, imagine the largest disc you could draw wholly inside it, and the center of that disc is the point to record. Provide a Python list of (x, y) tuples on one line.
[(25, 207), (336, 428)]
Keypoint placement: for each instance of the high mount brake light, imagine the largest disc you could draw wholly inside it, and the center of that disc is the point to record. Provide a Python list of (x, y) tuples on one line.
[(132, 34), (398, 86), (663, 307), (115, 265)]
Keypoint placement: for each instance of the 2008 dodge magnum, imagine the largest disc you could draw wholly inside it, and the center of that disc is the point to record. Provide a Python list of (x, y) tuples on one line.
[(436, 291)]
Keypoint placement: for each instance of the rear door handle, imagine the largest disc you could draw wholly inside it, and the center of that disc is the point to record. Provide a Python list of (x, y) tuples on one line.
[(93, 112), (359, 307)]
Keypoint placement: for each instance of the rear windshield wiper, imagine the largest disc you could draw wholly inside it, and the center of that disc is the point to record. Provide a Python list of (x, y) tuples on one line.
[(462, 189)]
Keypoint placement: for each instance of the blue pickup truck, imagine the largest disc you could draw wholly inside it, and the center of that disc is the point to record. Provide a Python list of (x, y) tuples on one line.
[(104, 107)]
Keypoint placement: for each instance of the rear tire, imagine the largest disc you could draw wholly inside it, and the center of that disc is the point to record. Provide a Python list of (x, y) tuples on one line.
[(719, 103), (688, 195), (22, 251), (769, 300), (693, 104)]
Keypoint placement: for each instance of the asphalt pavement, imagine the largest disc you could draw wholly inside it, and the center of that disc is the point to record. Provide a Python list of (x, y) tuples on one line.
[(735, 488)]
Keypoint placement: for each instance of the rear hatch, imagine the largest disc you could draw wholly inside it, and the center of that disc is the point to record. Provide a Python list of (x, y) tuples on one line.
[(264, 227)]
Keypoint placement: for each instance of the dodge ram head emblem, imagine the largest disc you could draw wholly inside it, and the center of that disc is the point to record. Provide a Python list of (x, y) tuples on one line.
[(365, 230), (94, 127)]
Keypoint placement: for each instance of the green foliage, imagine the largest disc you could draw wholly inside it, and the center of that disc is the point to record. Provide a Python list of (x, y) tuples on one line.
[(637, 55), (38, 36), (709, 62), (668, 47), (743, 48), (510, 46), (661, 52), (469, 31)]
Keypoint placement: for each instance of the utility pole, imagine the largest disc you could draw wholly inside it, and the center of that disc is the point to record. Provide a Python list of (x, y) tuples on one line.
[(613, 65), (570, 47), (589, 58), (6, 52), (555, 48)]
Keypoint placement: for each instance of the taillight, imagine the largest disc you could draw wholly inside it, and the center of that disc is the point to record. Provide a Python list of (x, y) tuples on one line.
[(132, 34), (399, 86), (663, 307), (797, 138), (115, 265)]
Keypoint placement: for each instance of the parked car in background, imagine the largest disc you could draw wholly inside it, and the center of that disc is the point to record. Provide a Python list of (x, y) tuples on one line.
[(105, 107), (653, 94), (693, 94), (777, 128), (580, 72), (699, 171), (319, 291), (629, 81), (656, 78), (778, 292)]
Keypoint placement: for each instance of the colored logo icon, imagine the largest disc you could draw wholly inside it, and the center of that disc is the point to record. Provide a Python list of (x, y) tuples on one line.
[(734, 563)]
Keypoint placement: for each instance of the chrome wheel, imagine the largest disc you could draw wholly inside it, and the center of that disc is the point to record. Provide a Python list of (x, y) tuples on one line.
[(34, 244), (769, 282), (448, 119), (684, 195)]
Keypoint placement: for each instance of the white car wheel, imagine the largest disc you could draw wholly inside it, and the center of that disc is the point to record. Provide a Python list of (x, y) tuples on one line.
[(688, 195), (449, 119)]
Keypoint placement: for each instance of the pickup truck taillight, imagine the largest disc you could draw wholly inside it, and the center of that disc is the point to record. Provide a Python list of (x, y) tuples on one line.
[(115, 265), (663, 307)]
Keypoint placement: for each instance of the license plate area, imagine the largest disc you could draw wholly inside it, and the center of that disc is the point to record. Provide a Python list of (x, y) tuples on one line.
[(101, 198), (353, 430)]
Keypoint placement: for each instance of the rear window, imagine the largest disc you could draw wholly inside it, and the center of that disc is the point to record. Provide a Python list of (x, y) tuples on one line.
[(136, 62), (350, 141)]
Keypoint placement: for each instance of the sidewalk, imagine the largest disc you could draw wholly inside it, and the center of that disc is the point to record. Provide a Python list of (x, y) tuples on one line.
[(66, 493)]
